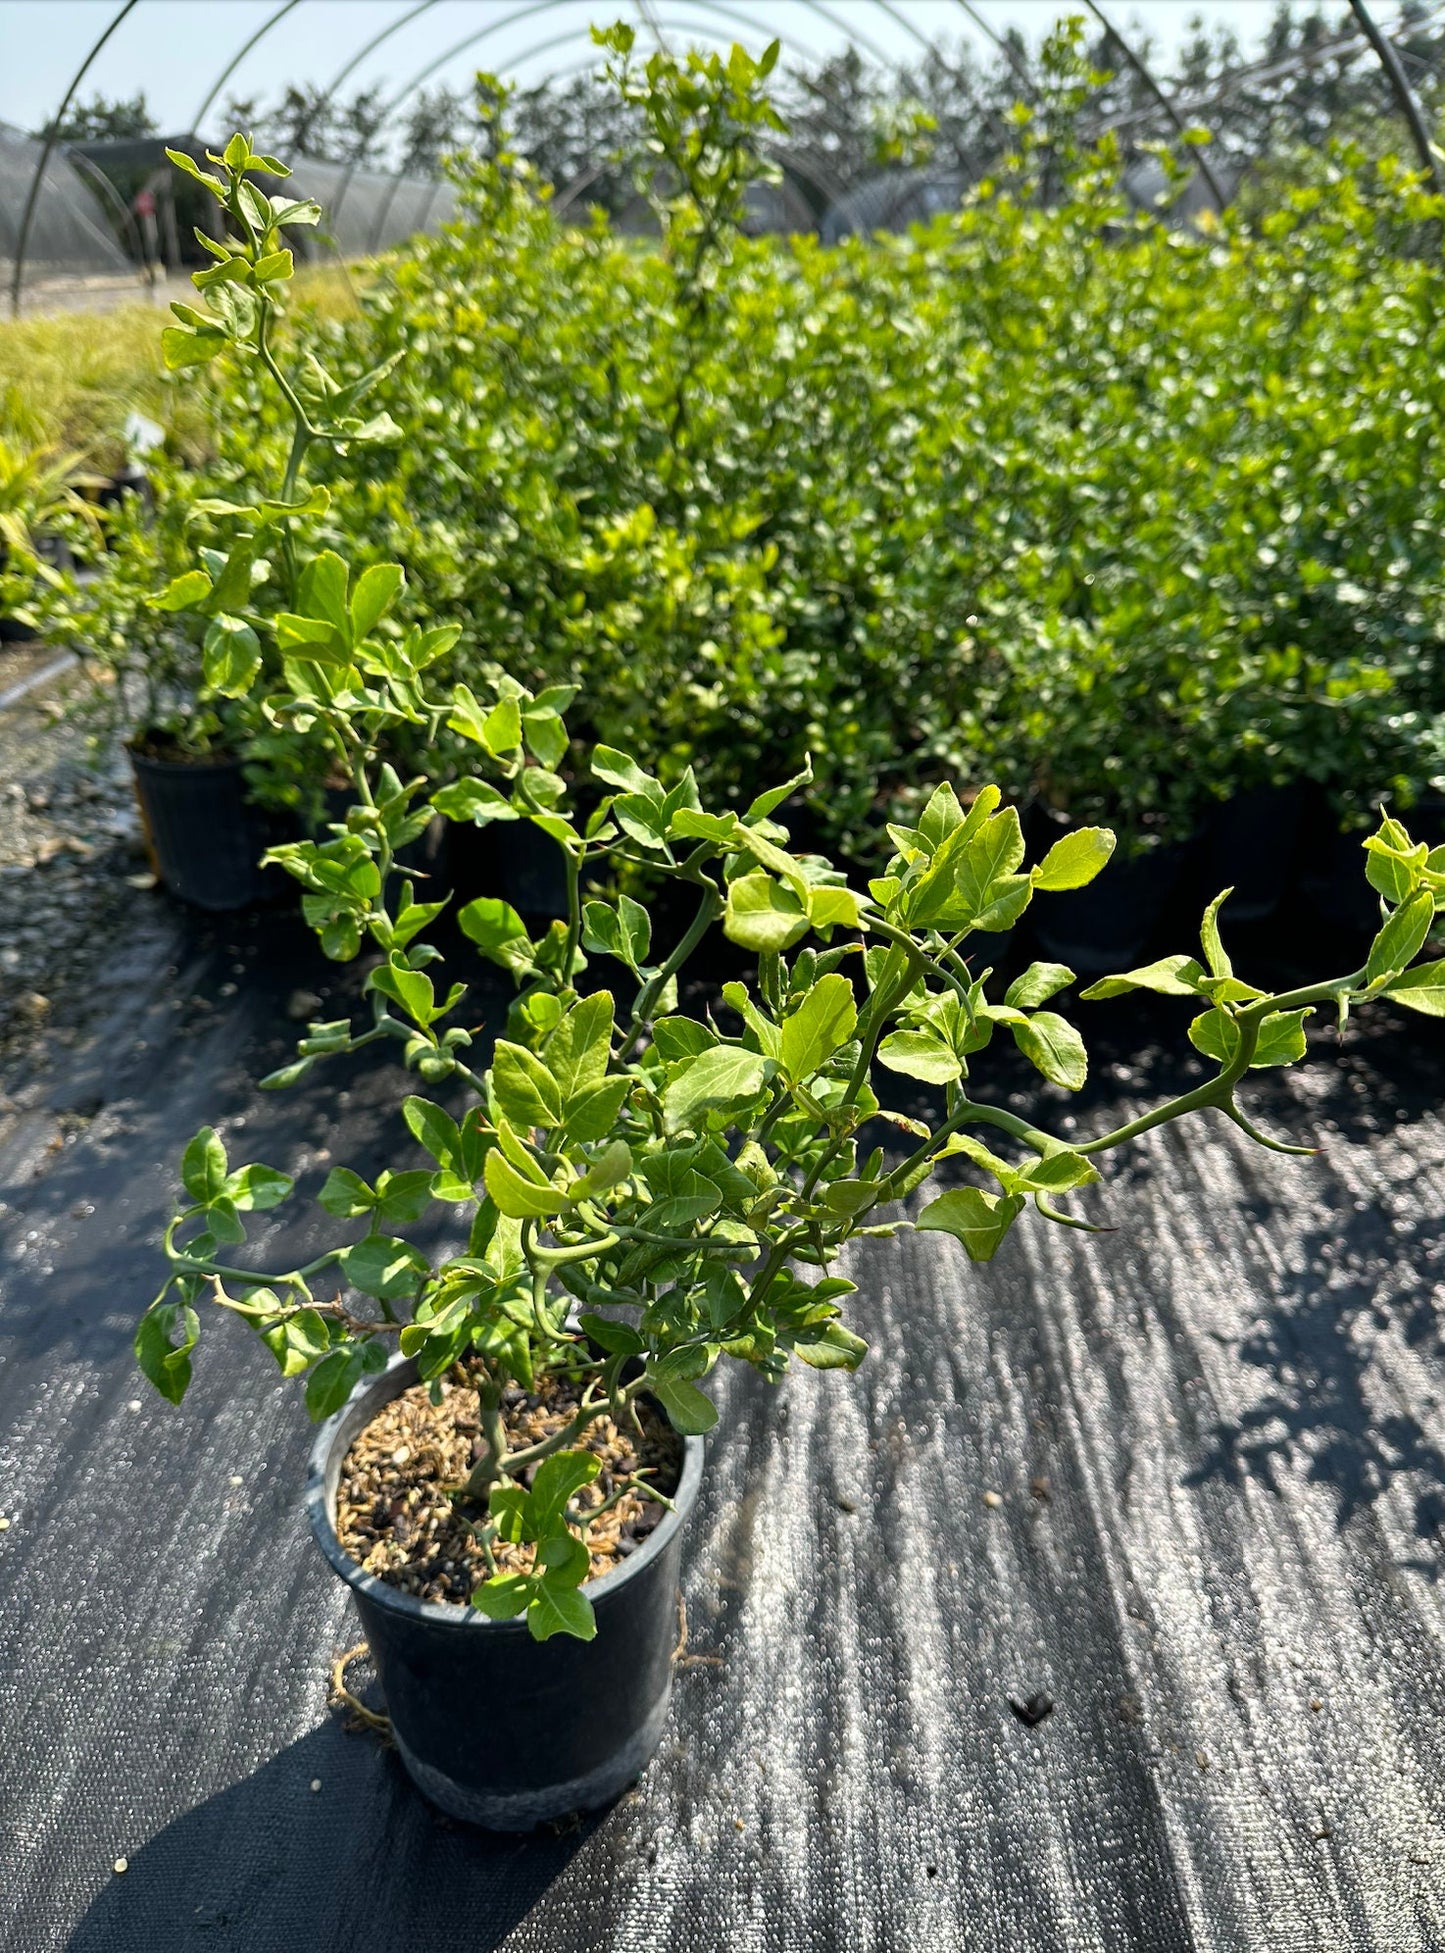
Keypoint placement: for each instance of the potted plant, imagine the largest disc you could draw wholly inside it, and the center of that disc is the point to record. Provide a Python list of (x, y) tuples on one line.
[(512, 1419), (176, 670), (45, 521)]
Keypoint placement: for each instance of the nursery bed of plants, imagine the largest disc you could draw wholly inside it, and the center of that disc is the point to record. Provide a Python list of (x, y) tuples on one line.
[(588, 1122), (1182, 1482)]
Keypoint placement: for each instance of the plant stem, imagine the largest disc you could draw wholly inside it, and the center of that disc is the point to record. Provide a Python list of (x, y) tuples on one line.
[(707, 911)]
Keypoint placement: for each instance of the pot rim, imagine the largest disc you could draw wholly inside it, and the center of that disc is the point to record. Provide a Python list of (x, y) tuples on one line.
[(221, 762), (448, 1613)]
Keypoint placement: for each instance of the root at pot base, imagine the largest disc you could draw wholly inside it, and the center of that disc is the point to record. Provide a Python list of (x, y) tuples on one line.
[(397, 1517)]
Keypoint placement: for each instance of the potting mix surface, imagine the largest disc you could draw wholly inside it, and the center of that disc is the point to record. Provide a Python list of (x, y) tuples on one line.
[(1102, 1609), (397, 1516)]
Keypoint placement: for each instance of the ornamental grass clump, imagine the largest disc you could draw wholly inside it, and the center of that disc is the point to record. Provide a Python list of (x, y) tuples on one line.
[(635, 1192)]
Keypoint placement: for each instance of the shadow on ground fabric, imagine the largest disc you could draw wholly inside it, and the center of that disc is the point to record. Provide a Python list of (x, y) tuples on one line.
[(363, 1864)]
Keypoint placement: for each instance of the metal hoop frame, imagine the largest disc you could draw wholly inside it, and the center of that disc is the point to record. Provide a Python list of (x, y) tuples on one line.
[(1379, 39)]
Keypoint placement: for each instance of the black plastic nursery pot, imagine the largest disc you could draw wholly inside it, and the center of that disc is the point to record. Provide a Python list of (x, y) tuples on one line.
[(496, 1728), (512, 859), (1249, 845), (1332, 873), (1105, 927), (205, 837)]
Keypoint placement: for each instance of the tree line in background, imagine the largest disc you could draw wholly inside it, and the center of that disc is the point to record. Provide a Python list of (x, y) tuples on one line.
[(1311, 79)]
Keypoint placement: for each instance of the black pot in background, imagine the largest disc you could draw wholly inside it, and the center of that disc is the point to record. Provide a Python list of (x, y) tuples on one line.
[(496, 1728), (205, 837), (1248, 844), (511, 859), (1332, 872), (1425, 821), (1106, 927)]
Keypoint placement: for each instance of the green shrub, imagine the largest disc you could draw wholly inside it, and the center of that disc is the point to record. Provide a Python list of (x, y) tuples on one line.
[(1042, 492)]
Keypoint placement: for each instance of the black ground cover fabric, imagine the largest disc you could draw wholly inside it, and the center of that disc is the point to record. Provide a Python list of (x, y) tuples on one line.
[(1217, 1447)]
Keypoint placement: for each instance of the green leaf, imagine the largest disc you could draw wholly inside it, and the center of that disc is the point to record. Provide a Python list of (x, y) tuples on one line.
[(939, 818), (577, 1052), (411, 989), (1422, 989), (773, 798), (1059, 1172), (833, 908), (183, 346), (1037, 984), (919, 1054), (1074, 860), (502, 728), (971, 882), (223, 1220), (617, 1338), (1393, 864), (557, 1478), (506, 1504), (345, 1194), (762, 914), (560, 1609), (1281, 1039), (1402, 937), (546, 736), (311, 640), (475, 801), (258, 1188), (624, 932), (377, 589), (618, 770), (184, 592), (681, 1037), (979, 1220), (716, 1080), (203, 1166), (165, 1358), (1051, 1043), (322, 592), (434, 1129), (497, 930), (830, 1348), (565, 1558), (1171, 976), (402, 1198), (192, 168), (692, 824), (382, 1266), (297, 1342), (591, 1113), (332, 1382), (524, 1089), (688, 1410), (504, 1596), (519, 1197), (1214, 956), (1215, 1033), (822, 1023)]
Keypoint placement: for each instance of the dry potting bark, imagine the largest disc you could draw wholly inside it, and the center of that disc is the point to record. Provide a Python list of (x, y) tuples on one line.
[(395, 1514)]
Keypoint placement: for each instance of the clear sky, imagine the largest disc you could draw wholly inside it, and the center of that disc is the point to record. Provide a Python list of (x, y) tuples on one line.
[(174, 50)]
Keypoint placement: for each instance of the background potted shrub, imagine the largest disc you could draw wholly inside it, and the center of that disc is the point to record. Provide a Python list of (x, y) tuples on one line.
[(632, 1191), (45, 523)]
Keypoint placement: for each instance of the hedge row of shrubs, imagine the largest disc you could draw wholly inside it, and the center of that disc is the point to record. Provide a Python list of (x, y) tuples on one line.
[(1121, 517)]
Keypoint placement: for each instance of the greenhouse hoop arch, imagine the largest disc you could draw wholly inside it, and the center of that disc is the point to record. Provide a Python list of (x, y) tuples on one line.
[(1369, 33)]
